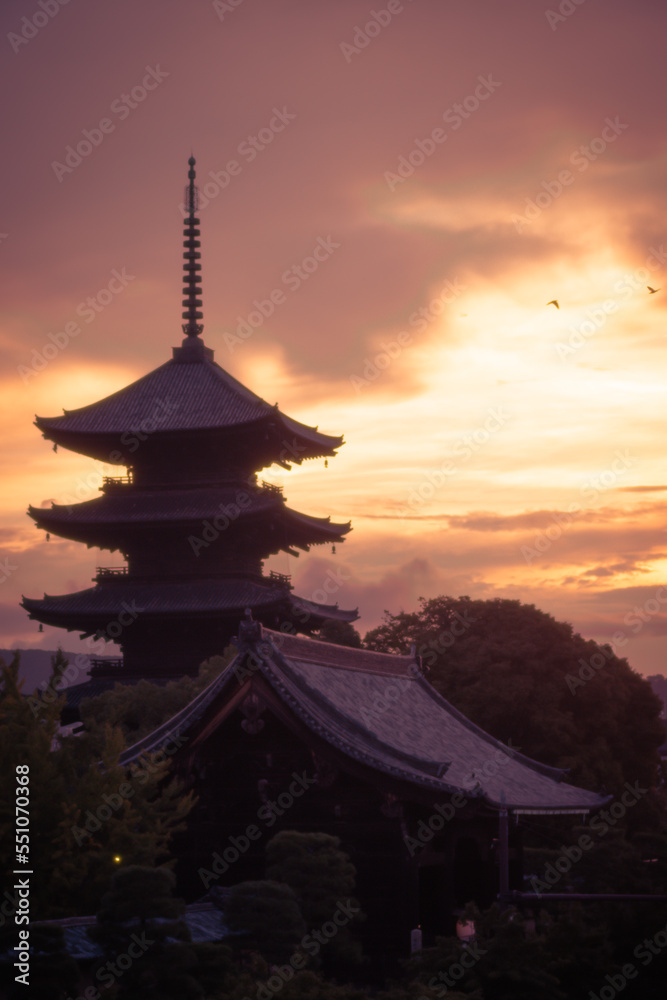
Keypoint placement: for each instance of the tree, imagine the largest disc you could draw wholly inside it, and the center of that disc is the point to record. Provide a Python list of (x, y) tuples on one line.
[(54, 975), (340, 633), (86, 818), (321, 875), (268, 913), (523, 676), (139, 709), (142, 929)]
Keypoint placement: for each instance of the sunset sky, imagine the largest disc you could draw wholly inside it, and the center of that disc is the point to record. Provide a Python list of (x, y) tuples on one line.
[(456, 166)]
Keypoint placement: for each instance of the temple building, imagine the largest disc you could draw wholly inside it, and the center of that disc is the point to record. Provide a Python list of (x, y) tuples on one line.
[(300, 734), (294, 733), (191, 518)]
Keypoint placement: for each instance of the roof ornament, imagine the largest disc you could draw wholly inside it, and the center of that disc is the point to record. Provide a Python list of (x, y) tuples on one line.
[(191, 266)]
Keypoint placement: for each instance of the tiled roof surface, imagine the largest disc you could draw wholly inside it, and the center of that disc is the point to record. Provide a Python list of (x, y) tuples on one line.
[(179, 396), (378, 710), (205, 923), (161, 597)]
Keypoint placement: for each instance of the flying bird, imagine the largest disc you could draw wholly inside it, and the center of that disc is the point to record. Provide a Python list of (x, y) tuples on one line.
[(652, 291), (554, 302)]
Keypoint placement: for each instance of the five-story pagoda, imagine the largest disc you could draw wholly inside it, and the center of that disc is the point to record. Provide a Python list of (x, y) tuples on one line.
[(190, 517)]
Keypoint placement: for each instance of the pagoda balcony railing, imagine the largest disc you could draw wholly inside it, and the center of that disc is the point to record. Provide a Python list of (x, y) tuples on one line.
[(116, 481), (272, 488), (107, 662), (282, 578), (109, 572)]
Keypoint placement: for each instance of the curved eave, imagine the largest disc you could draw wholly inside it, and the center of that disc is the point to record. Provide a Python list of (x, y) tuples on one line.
[(315, 444), (85, 522), (275, 438), (87, 610), (418, 738), (297, 678), (320, 612)]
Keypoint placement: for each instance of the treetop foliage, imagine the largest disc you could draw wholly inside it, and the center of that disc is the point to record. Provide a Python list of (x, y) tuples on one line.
[(87, 814), (517, 673)]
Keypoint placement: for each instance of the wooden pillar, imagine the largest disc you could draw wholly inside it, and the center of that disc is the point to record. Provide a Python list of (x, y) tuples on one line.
[(503, 858)]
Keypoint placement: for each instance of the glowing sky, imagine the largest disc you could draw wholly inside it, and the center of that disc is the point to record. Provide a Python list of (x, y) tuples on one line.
[(456, 166)]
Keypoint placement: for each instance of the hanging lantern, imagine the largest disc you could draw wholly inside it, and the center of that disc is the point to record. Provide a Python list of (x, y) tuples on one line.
[(415, 940)]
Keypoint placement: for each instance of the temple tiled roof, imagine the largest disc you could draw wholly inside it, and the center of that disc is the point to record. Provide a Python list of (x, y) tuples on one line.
[(205, 922), (378, 710), (188, 393), (134, 508)]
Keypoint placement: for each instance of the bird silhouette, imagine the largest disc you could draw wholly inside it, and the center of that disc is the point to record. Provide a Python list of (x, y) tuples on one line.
[(554, 302), (652, 291)]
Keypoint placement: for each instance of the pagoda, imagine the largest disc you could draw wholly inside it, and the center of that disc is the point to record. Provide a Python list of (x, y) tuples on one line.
[(190, 516)]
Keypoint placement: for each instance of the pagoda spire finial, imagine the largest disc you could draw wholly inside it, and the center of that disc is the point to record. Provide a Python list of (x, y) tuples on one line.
[(191, 266)]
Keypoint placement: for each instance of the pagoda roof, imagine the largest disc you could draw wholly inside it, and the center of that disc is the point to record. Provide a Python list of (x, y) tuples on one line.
[(87, 610), (378, 711), (189, 393), (132, 509)]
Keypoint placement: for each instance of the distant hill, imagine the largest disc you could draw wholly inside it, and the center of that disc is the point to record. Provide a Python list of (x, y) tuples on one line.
[(36, 666)]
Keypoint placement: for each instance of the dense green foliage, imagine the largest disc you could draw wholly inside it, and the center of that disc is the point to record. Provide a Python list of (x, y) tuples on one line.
[(86, 818), (139, 709), (340, 633), (142, 930), (322, 876), (268, 913), (510, 668)]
